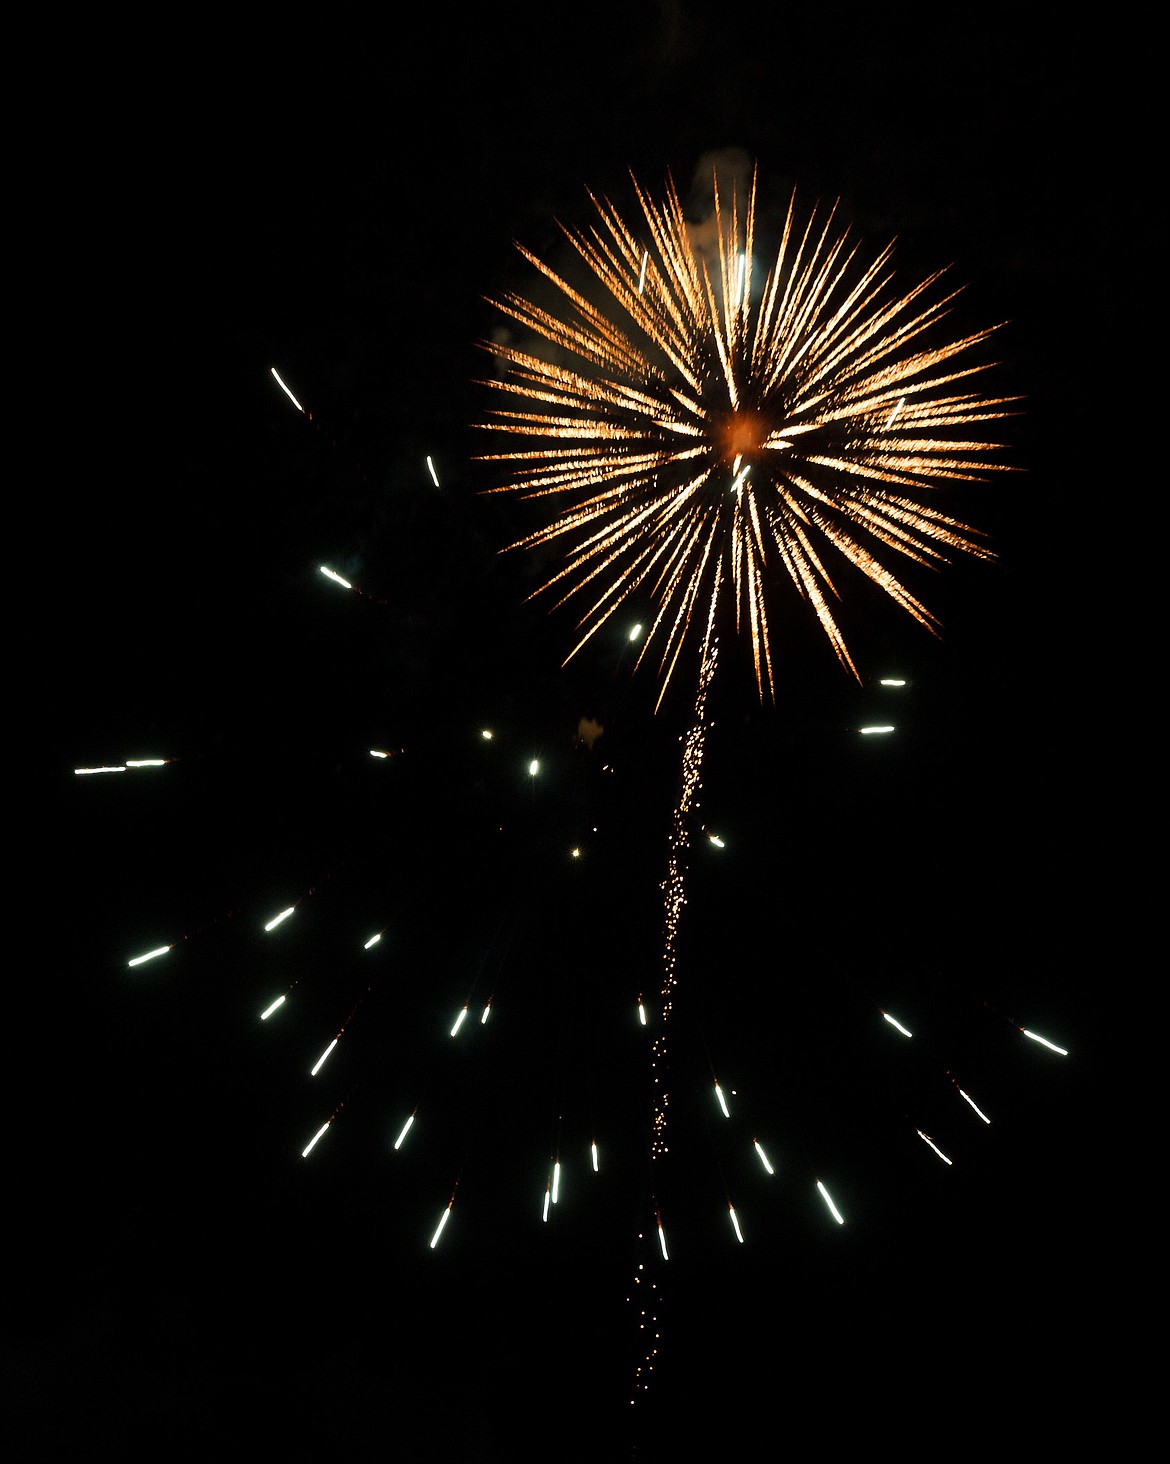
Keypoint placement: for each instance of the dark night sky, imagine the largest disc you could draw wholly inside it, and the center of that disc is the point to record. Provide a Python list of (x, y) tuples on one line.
[(183, 1283)]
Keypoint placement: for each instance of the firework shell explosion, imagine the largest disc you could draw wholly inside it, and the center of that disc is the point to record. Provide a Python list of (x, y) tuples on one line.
[(704, 429)]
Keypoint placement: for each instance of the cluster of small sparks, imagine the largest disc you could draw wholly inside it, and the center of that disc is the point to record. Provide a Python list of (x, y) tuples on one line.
[(699, 432)]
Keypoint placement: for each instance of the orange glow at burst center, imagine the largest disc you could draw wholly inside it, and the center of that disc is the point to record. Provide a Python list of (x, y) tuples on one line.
[(740, 435)]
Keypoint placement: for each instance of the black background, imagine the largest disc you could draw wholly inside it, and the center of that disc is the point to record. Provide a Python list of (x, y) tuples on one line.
[(338, 203)]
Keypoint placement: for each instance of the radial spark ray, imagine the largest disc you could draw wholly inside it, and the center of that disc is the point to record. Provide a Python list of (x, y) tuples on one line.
[(692, 431)]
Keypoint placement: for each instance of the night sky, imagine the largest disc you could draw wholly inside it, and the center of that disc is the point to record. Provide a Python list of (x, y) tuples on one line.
[(339, 205)]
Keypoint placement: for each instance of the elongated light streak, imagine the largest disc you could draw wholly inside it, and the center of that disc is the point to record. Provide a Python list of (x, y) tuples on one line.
[(147, 762), (405, 1131), (635, 631), (335, 577), (268, 1010), (84, 772), (1044, 1042), (641, 1012), (967, 1099), (662, 1241), (431, 470), (891, 681), (305, 1152), (871, 731), (279, 919), (556, 1181), (722, 1100), (717, 841), (893, 1021), (486, 1010), (828, 1199), (926, 1139), (321, 1059), (547, 1197), (593, 1154), (735, 1222), (894, 413), (642, 276), (763, 1157), (373, 941), (442, 1222), (286, 391), (150, 955), (459, 1021)]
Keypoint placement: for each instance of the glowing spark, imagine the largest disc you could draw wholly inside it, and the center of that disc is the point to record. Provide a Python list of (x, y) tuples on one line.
[(870, 731), (556, 1181), (895, 1023), (286, 391), (717, 841), (763, 1157), (533, 768), (267, 1012), (434, 475), (373, 941), (974, 1105), (147, 762), (442, 1222), (1044, 1042), (891, 681), (926, 1139), (84, 772), (641, 1012), (150, 955), (279, 919), (335, 577), (735, 1222), (593, 1155), (305, 1152), (405, 1131), (375, 752), (575, 853), (458, 1021), (321, 1060), (486, 1010), (486, 735), (635, 631), (828, 1199), (662, 1241), (547, 1198), (626, 429), (722, 1100)]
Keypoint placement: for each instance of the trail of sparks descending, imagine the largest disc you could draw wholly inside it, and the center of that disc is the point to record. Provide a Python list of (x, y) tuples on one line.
[(674, 887), (698, 429)]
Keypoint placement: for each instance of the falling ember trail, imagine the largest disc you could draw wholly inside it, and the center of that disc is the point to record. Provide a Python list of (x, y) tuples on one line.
[(674, 886)]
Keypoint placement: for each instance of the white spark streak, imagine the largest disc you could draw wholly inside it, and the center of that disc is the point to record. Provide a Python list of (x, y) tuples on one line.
[(150, 955), (828, 1199), (286, 391)]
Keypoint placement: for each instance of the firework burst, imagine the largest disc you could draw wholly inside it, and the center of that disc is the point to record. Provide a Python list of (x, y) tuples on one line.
[(703, 429)]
